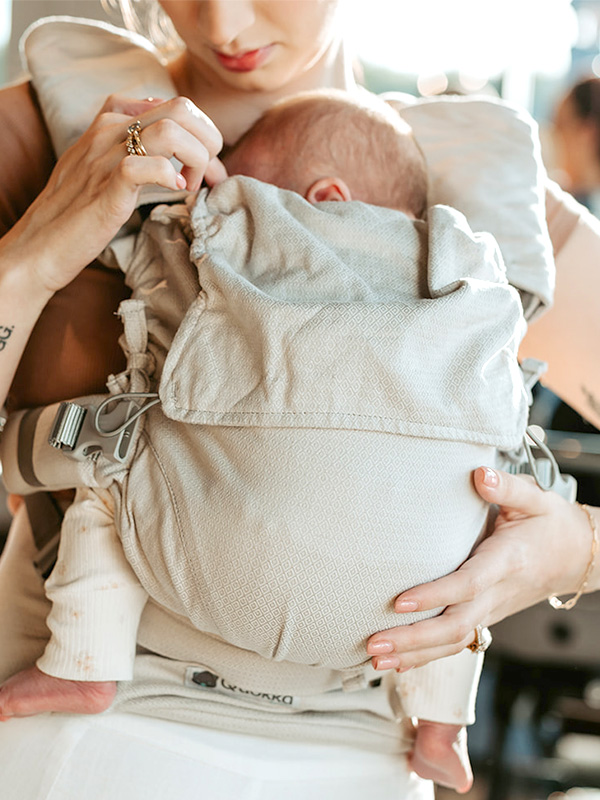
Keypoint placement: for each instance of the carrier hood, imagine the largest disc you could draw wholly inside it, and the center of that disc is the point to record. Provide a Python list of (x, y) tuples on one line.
[(348, 316)]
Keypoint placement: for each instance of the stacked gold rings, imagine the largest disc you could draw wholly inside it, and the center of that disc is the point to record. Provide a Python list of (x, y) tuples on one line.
[(134, 142)]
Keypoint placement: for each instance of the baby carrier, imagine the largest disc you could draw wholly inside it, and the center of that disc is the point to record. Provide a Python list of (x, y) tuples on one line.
[(320, 406)]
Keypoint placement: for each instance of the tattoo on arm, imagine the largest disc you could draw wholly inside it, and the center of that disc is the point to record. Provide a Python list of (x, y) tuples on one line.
[(5, 336)]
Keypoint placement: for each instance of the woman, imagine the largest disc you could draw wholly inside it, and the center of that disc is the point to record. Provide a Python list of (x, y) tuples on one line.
[(239, 58)]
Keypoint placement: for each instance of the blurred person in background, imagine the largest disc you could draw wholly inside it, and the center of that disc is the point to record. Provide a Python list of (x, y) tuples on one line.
[(577, 142)]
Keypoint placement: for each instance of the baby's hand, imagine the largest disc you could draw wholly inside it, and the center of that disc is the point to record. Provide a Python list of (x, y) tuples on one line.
[(440, 754), (33, 692)]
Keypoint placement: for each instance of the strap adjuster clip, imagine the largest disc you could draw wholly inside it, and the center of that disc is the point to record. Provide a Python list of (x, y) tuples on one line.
[(67, 426), (77, 434)]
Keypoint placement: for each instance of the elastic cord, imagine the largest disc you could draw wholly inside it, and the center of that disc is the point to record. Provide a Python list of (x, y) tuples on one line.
[(532, 462), (119, 397)]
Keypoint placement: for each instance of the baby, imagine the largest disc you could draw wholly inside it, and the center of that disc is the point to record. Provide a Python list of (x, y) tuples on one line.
[(324, 147)]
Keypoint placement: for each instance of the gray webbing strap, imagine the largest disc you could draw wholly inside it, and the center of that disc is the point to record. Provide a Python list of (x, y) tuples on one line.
[(25, 446)]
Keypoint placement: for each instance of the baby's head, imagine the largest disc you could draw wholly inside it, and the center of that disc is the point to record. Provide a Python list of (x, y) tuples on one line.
[(329, 145)]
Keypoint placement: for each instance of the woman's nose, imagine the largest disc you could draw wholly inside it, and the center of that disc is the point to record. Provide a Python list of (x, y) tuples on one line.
[(222, 21)]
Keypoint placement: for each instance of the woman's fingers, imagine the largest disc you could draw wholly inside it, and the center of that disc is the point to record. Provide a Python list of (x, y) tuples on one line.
[(492, 560), (167, 138), (174, 128), (178, 128), (417, 644), (478, 575), (215, 172), (451, 628), (518, 493), (128, 106), (115, 197), (134, 172)]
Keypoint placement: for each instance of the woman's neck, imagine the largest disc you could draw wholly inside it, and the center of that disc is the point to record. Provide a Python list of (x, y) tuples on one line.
[(233, 110)]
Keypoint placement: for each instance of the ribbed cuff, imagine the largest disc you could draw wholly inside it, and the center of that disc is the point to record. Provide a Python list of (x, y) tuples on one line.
[(444, 690), (94, 635)]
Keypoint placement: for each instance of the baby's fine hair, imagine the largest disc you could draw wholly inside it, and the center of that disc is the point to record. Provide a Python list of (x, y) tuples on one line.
[(355, 137)]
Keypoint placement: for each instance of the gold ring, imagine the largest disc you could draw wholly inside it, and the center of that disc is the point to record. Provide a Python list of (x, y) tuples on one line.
[(482, 640), (134, 141)]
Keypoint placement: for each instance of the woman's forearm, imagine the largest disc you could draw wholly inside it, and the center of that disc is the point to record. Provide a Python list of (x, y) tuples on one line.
[(21, 303)]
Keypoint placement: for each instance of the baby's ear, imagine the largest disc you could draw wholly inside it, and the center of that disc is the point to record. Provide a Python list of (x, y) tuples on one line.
[(328, 189)]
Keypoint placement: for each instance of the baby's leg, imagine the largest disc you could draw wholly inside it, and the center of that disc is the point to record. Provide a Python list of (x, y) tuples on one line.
[(33, 692), (440, 754), (70, 353)]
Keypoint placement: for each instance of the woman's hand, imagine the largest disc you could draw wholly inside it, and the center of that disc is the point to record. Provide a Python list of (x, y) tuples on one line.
[(91, 193), (540, 546), (94, 187)]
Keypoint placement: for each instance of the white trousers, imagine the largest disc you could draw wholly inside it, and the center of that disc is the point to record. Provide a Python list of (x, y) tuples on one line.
[(128, 757), (124, 757)]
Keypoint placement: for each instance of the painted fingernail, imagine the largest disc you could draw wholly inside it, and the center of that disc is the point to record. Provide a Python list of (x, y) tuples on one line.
[(385, 663), (379, 647), (180, 181), (490, 477), (402, 606)]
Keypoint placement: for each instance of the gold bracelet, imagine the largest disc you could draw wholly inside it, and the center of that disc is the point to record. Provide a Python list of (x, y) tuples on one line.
[(554, 601)]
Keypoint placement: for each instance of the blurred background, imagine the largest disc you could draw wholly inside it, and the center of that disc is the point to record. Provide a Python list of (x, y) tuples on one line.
[(537, 735)]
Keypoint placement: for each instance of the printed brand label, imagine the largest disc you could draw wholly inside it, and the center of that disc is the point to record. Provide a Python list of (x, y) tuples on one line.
[(198, 677)]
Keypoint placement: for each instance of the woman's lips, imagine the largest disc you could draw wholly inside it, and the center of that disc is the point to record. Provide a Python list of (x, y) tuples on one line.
[(246, 61)]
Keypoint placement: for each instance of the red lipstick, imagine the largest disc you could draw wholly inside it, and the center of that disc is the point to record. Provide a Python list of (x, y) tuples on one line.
[(246, 61)]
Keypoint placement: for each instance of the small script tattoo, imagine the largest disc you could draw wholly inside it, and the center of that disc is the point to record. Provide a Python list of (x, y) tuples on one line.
[(5, 334)]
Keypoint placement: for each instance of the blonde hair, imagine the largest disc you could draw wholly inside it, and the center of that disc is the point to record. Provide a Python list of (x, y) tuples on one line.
[(147, 18), (330, 132)]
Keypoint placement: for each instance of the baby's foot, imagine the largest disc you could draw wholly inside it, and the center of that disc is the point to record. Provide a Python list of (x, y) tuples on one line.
[(33, 692), (440, 754)]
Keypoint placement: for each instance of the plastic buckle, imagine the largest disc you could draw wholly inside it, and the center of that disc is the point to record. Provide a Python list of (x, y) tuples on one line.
[(73, 431)]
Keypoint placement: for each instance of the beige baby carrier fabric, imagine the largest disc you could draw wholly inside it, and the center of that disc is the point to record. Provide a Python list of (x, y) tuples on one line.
[(340, 373)]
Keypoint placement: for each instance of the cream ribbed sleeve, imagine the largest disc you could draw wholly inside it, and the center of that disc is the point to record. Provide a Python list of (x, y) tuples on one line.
[(97, 599), (443, 690)]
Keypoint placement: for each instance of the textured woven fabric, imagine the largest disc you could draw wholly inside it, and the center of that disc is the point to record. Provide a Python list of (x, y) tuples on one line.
[(489, 169), (342, 371), (346, 316)]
